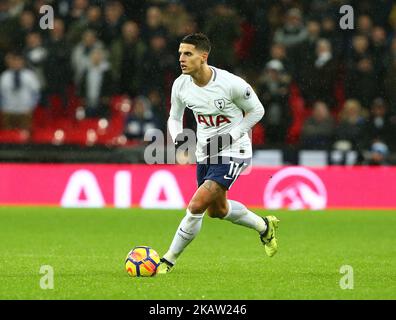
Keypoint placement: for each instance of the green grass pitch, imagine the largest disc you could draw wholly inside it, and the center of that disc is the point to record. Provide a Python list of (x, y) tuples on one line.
[(87, 248)]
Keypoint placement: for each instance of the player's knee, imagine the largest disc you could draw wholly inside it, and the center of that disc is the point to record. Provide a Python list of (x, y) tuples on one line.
[(217, 211), (197, 207)]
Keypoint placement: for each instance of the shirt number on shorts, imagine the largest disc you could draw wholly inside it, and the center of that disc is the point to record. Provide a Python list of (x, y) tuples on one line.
[(234, 171)]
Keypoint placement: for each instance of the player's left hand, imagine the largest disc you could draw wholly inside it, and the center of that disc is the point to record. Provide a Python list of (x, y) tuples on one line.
[(218, 143)]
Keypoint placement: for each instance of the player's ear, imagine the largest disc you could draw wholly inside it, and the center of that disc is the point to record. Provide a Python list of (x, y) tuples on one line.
[(204, 57)]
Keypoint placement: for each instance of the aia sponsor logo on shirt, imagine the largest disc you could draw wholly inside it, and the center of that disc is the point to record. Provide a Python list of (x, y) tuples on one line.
[(212, 120)]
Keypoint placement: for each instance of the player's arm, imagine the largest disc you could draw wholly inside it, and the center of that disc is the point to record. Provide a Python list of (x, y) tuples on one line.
[(175, 120), (246, 99)]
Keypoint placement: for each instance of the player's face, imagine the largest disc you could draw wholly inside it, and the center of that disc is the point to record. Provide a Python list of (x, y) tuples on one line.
[(190, 58)]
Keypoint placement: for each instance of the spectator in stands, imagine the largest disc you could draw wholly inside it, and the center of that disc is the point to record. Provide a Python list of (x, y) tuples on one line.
[(16, 7), (390, 77), (154, 24), (378, 154), (92, 21), (27, 24), (320, 8), (114, 19), (179, 22), (223, 18), (278, 52), (391, 18), (331, 32), (318, 129), (273, 92), (303, 57), (360, 49), (35, 54), (380, 11), (160, 112), (81, 54), (175, 17), (293, 31), (361, 79), (78, 11), (380, 124), (36, 5), (8, 26), (364, 25), (139, 120), (362, 83), (350, 131), (57, 67), (127, 54), (190, 26), (19, 93), (96, 85), (5, 13), (159, 64), (379, 50), (324, 74), (307, 47), (262, 35)]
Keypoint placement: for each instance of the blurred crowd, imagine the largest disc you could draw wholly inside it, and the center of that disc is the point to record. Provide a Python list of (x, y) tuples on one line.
[(322, 87)]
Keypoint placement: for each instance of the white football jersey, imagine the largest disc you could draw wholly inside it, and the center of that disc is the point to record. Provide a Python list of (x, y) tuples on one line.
[(227, 104)]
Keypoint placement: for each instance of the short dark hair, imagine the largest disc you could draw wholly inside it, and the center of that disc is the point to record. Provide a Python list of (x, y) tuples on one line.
[(199, 40)]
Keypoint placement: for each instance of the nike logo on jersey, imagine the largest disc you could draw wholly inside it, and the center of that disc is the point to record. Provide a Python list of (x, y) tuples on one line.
[(190, 106), (228, 178)]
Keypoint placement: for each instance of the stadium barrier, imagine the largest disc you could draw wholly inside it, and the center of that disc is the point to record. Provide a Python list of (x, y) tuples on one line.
[(171, 186)]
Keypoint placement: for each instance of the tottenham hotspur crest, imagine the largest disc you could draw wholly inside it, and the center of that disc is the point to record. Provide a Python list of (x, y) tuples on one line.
[(220, 104)]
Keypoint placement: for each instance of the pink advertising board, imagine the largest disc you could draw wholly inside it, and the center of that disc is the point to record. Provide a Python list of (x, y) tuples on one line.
[(171, 186)]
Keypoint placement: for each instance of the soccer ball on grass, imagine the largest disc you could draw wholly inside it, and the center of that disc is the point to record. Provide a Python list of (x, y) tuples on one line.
[(142, 261)]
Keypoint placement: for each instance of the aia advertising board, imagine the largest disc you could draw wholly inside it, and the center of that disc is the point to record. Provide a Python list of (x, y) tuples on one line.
[(171, 186)]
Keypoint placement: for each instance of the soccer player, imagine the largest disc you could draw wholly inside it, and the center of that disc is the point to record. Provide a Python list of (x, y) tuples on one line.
[(225, 108)]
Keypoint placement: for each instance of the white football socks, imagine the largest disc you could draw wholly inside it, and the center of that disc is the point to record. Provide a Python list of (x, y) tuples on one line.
[(239, 214), (186, 232)]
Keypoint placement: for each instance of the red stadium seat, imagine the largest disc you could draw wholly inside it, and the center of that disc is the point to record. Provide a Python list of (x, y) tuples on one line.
[(299, 114), (63, 123), (48, 136), (41, 117), (258, 135), (14, 136), (76, 136), (340, 97), (88, 123)]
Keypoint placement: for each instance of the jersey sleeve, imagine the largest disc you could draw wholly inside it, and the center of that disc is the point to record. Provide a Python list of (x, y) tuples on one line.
[(246, 99), (175, 121)]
